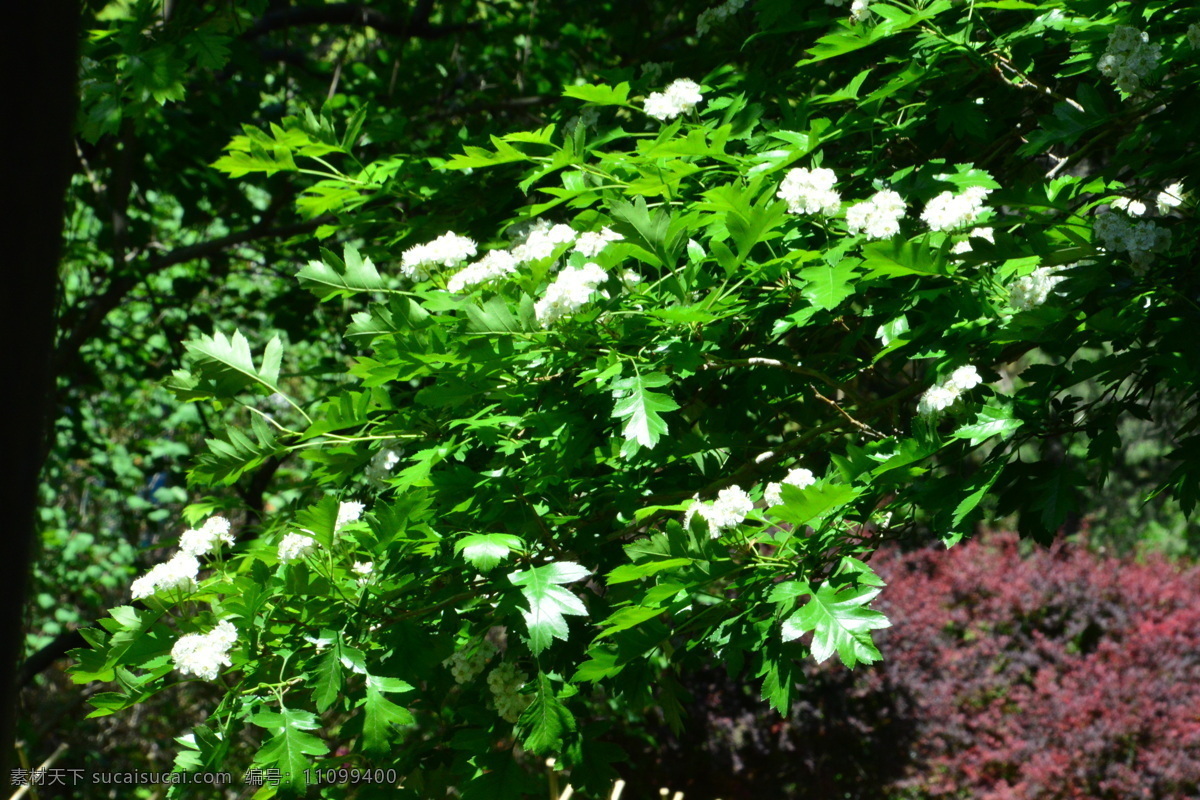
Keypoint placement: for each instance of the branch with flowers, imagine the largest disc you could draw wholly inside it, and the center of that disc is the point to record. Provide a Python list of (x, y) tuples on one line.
[(598, 488)]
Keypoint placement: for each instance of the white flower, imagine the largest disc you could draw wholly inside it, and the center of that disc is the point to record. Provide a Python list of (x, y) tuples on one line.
[(943, 395), (1141, 240), (591, 243), (935, 399), (465, 664), (964, 378), (178, 573), (799, 478), (1169, 198), (347, 513), (278, 401), (1032, 290), (680, 97), (948, 211), (295, 546), (203, 654), (363, 570), (384, 462), (201, 542), (652, 70), (570, 291), (976, 233), (1129, 58), (541, 240), (717, 14), (506, 681), (1134, 208), (878, 217), (494, 264), (810, 191), (447, 250), (859, 9), (1193, 36), (727, 511)]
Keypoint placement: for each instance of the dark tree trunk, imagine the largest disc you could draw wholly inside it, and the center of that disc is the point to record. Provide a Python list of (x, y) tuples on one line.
[(35, 166)]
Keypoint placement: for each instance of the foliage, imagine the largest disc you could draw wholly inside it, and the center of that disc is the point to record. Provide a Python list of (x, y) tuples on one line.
[(1055, 674), (572, 455)]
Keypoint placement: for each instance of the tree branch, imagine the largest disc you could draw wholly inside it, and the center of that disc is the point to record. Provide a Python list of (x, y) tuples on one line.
[(354, 14), (94, 313)]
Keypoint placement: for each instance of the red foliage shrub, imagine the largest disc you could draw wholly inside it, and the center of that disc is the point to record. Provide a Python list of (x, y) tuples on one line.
[(1059, 675), (1055, 676)]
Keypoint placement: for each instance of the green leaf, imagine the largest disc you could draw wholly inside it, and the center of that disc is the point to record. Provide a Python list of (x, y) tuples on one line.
[(896, 257), (640, 408), (548, 601), (326, 679), (492, 318), (841, 623), (333, 277), (289, 746), (223, 367), (600, 95), (546, 722), (991, 421), (803, 506), (827, 286), (382, 714), (632, 572), (230, 458), (485, 550)]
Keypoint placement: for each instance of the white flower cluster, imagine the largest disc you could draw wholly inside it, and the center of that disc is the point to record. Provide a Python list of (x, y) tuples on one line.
[(363, 568), (178, 573), (1170, 198), (447, 250), (717, 14), (948, 211), (1129, 57), (810, 191), (200, 542), (1134, 208), (653, 70), (944, 395), (541, 239), (347, 513), (570, 291), (976, 233), (468, 662), (1141, 240), (1034, 289), (384, 462), (203, 654), (1193, 36), (858, 8), (506, 681), (295, 546), (494, 264), (679, 98), (181, 570), (878, 217), (799, 478), (590, 244), (727, 511)]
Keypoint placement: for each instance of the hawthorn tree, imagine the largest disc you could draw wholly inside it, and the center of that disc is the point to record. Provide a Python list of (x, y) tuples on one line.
[(644, 384)]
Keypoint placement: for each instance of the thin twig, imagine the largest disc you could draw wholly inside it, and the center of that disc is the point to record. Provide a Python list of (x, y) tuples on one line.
[(862, 426), (28, 788), (715, 362)]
